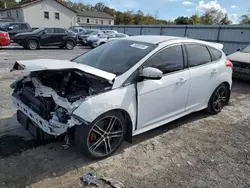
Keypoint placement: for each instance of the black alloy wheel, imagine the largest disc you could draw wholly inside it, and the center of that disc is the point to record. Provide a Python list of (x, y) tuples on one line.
[(103, 137), (219, 99)]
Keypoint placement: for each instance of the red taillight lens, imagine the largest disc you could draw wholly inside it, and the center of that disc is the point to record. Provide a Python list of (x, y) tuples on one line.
[(229, 63), (6, 35)]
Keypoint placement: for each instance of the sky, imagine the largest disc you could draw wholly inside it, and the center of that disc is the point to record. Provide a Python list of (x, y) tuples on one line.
[(171, 9)]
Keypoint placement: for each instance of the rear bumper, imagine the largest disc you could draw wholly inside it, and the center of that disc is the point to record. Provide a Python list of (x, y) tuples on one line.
[(241, 73), (92, 44)]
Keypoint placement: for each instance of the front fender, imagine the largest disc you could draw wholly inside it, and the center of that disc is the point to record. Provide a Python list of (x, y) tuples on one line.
[(122, 98)]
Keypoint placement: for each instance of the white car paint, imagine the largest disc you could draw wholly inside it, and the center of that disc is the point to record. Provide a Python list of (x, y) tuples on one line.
[(159, 101)]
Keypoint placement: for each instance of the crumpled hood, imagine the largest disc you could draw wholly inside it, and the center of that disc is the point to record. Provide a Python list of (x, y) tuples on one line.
[(240, 56), (52, 64)]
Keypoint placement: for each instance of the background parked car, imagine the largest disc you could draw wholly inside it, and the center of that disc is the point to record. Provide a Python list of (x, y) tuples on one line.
[(102, 39), (95, 36), (14, 28), (77, 29), (4, 39), (47, 37), (82, 36), (241, 62)]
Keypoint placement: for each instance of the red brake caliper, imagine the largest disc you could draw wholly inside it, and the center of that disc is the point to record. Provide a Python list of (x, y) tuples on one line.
[(92, 136)]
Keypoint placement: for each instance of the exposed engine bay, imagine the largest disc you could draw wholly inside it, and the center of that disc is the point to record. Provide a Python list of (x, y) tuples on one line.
[(49, 97)]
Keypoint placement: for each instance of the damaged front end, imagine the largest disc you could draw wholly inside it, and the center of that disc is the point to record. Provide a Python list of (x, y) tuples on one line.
[(46, 99)]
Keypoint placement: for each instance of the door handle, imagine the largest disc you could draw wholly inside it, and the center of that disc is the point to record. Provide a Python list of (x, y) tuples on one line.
[(214, 71), (181, 81)]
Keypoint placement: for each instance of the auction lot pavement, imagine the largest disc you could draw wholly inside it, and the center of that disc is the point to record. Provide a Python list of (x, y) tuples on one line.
[(198, 150)]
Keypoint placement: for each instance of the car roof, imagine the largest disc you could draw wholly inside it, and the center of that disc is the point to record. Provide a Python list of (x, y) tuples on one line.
[(157, 39), (154, 39)]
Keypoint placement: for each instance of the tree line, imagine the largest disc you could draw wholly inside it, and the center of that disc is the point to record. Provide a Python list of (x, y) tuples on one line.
[(210, 17)]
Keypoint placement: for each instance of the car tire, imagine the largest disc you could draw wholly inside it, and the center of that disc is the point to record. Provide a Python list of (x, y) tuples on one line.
[(70, 45), (102, 137), (219, 99), (102, 43), (32, 44)]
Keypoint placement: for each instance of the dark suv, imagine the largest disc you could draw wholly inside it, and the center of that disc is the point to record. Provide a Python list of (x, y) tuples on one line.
[(14, 28), (47, 37)]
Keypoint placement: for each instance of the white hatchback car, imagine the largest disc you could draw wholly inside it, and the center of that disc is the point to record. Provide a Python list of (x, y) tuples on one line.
[(121, 89)]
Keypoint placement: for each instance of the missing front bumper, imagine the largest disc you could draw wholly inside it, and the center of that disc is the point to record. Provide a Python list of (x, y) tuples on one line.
[(32, 127), (37, 120)]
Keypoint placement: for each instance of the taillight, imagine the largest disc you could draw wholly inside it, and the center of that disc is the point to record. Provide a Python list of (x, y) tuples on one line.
[(6, 35), (229, 63)]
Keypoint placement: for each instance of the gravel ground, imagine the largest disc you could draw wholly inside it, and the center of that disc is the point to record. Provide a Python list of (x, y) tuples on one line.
[(198, 150)]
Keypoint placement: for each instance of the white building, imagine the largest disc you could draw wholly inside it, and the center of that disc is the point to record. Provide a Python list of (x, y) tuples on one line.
[(53, 13), (94, 18)]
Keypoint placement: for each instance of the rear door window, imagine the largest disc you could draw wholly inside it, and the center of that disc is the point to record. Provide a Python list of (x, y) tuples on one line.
[(197, 54)]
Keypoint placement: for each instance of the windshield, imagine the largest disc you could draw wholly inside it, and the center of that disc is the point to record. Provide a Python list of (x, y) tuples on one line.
[(246, 49), (117, 56)]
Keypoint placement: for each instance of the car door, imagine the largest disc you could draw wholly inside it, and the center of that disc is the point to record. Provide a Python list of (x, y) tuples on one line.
[(204, 74), (159, 100), (60, 36), (47, 37)]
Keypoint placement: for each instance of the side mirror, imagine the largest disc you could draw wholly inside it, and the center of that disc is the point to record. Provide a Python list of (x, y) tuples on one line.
[(151, 73), (10, 28), (239, 49), (43, 32)]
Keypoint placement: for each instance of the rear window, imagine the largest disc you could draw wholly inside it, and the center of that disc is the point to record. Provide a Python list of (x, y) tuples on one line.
[(216, 54)]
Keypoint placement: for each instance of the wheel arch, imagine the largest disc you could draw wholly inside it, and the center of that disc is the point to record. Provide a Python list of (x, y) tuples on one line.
[(229, 89), (70, 39), (127, 117), (129, 124), (227, 84), (32, 38)]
